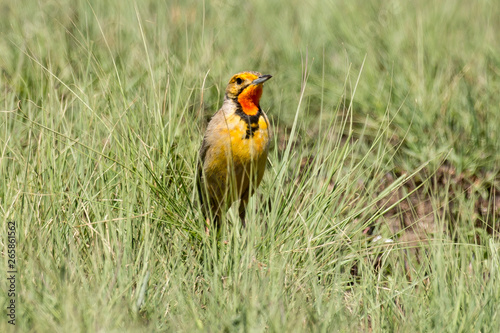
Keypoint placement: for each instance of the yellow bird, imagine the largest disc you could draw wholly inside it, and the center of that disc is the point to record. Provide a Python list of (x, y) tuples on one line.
[(233, 155)]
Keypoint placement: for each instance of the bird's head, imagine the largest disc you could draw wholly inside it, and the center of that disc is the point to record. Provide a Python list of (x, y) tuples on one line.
[(246, 89)]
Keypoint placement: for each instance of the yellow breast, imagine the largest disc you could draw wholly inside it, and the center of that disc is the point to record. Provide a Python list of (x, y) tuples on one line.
[(245, 150), (231, 150)]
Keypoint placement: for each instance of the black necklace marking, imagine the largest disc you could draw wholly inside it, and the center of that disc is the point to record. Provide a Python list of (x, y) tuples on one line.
[(252, 121)]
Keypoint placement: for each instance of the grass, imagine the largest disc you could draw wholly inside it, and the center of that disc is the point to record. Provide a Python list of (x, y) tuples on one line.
[(385, 117)]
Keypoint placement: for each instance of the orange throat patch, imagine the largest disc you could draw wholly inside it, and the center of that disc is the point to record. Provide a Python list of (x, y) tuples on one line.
[(249, 99)]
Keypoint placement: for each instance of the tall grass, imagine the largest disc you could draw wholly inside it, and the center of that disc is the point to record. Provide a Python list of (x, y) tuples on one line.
[(103, 107)]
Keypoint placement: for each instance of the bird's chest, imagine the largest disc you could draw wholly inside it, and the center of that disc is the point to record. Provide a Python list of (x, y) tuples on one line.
[(237, 145), (249, 140)]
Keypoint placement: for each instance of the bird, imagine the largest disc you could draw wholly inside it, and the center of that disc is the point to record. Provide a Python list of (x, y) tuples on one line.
[(233, 153)]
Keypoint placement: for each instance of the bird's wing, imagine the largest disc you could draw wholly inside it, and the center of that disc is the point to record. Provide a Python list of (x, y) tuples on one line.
[(214, 123)]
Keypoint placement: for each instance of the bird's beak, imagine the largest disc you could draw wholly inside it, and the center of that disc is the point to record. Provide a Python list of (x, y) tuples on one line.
[(261, 79)]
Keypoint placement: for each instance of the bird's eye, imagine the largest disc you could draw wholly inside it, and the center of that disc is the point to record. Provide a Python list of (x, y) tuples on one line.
[(238, 81)]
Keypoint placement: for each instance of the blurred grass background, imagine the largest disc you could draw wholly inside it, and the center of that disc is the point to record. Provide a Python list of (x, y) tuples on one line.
[(386, 117)]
